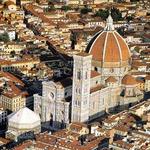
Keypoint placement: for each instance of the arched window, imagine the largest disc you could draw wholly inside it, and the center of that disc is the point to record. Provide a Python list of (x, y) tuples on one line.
[(51, 120), (79, 75), (103, 101), (112, 70), (62, 124), (62, 112), (86, 75), (95, 69), (129, 92), (79, 91), (51, 115)]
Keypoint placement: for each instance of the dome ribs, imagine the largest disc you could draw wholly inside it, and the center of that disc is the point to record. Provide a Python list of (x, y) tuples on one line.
[(112, 51), (123, 46), (98, 46), (109, 47)]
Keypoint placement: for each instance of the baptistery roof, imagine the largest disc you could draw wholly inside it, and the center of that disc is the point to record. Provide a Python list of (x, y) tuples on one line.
[(108, 45), (24, 116)]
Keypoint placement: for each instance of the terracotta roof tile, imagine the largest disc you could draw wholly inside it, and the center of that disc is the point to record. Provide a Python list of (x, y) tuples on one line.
[(97, 88), (129, 80), (111, 79), (108, 47), (94, 74), (147, 77)]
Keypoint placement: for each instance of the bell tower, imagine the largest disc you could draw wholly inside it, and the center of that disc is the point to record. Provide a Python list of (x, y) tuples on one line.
[(81, 87)]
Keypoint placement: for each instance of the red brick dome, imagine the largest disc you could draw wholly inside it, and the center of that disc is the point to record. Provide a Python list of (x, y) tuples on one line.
[(108, 45)]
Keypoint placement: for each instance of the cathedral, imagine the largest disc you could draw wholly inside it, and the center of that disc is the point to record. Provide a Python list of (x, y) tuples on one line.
[(101, 83)]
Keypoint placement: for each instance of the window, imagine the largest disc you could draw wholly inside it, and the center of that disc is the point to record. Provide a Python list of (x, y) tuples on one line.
[(66, 94), (62, 112), (79, 91), (86, 75), (129, 92), (79, 75), (51, 95), (96, 69), (75, 103), (103, 101), (79, 103), (112, 70), (51, 115)]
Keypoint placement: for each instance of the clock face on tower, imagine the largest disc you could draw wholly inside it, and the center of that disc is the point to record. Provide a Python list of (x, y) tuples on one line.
[(51, 95)]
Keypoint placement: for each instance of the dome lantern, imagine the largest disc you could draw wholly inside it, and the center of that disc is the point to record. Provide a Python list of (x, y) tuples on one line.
[(109, 23)]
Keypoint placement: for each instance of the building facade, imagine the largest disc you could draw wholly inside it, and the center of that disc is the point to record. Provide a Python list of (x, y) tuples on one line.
[(53, 105)]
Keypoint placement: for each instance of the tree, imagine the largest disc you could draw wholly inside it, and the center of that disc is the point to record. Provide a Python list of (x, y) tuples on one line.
[(65, 8), (129, 18), (4, 37), (115, 13), (50, 1), (121, 31), (137, 49), (102, 13), (37, 1), (85, 10), (120, 1), (134, 1), (51, 8)]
